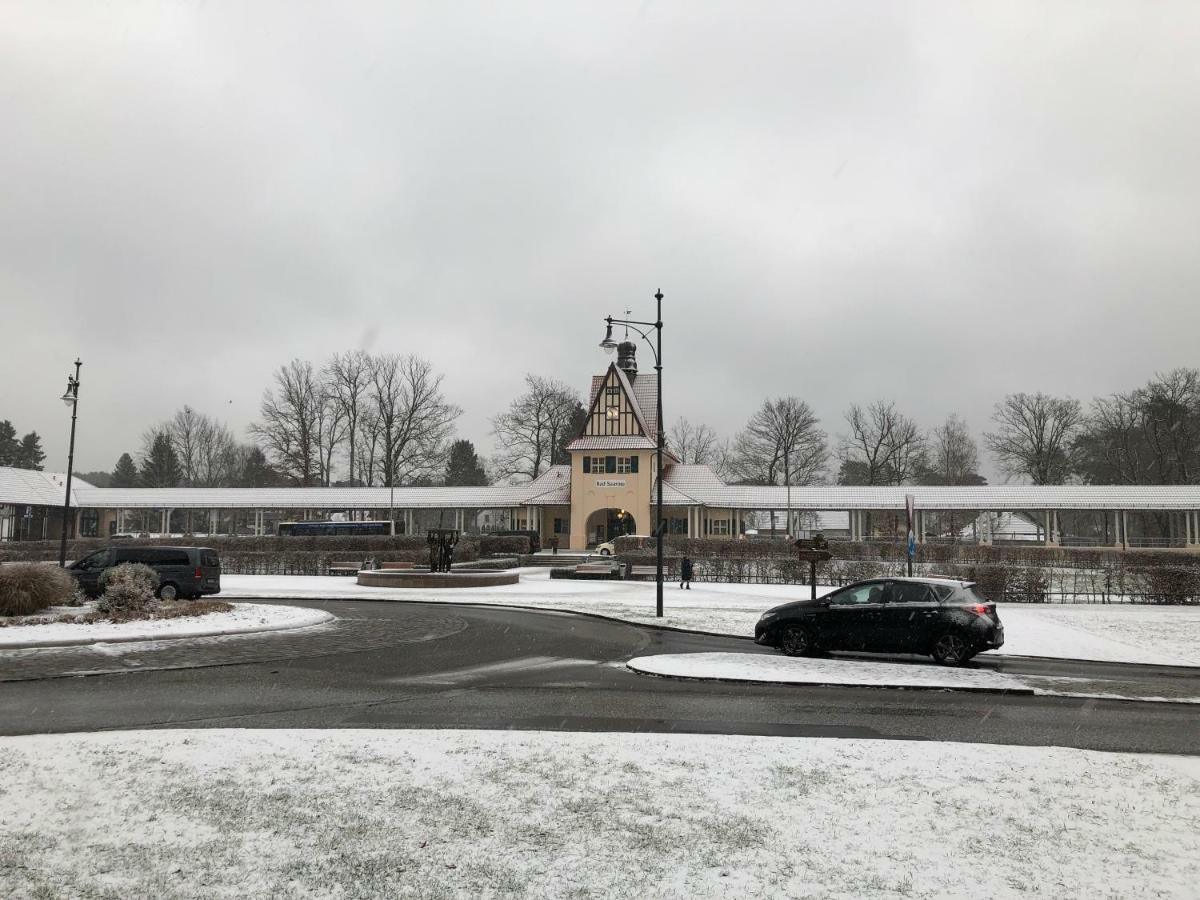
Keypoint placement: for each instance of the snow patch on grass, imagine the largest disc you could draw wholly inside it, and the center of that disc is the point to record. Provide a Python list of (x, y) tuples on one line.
[(815, 670), (234, 813), (244, 617)]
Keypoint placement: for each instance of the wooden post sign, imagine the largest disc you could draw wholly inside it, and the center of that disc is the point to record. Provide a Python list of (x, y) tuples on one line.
[(813, 550)]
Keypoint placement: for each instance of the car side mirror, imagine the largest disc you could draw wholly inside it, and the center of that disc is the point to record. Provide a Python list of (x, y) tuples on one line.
[(824, 602)]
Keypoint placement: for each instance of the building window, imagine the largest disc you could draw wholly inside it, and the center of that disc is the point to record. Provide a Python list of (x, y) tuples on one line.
[(718, 526), (623, 465), (89, 522), (559, 526), (678, 526), (597, 463)]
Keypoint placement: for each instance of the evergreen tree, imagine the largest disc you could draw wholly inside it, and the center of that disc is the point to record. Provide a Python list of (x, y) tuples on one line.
[(125, 475), (29, 452), (161, 468), (9, 447), (464, 467), (256, 471)]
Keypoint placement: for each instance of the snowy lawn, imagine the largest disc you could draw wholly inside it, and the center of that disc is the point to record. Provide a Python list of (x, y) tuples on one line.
[(245, 617), (811, 670), (277, 813), (1163, 635)]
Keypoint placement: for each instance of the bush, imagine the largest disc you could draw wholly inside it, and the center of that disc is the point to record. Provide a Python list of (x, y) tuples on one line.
[(502, 545), (1168, 585), (27, 587), (127, 587)]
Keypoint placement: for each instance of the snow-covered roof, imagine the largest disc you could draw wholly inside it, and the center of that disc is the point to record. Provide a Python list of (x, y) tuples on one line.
[(986, 497), (611, 442), (27, 487), (552, 487), (487, 497), (685, 485)]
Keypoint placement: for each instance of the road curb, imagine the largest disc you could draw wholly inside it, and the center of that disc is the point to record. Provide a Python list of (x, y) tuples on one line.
[(483, 604), (88, 641), (963, 689)]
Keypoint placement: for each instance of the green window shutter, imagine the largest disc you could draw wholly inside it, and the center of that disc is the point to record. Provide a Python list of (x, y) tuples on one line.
[(610, 464), (587, 464), (633, 464)]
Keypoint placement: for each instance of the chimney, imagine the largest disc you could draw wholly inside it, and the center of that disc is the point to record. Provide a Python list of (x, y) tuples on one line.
[(626, 358)]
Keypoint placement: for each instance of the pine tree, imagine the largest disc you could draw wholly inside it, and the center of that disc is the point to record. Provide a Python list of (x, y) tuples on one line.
[(464, 467), (29, 453), (256, 471), (125, 474), (161, 468), (9, 447)]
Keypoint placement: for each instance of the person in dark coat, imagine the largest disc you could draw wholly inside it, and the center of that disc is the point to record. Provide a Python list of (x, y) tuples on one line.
[(685, 574)]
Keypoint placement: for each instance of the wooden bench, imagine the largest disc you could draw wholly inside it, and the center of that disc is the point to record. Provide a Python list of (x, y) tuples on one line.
[(592, 568), (344, 568), (397, 565), (650, 572)]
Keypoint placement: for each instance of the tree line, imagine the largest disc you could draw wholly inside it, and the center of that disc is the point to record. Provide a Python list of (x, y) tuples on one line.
[(364, 419), (22, 453)]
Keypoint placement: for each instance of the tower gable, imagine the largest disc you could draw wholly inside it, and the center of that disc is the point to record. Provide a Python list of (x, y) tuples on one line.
[(614, 411)]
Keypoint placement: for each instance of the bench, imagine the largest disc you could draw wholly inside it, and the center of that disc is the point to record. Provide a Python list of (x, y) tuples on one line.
[(594, 568), (397, 565), (346, 568), (650, 572)]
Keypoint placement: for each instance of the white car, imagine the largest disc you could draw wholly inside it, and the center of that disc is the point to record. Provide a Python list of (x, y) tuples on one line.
[(608, 548)]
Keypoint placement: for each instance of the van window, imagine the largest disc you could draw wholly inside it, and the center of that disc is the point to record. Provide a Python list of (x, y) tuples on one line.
[(209, 558)]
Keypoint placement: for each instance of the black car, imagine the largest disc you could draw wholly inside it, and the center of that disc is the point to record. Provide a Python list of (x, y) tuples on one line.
[(182, 571), (947, 619)]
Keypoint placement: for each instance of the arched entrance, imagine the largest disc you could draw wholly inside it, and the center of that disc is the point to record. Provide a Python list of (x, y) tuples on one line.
[(606, 524)]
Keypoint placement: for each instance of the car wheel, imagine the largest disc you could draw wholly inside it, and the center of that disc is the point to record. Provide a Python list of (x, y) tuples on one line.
[(951, 649), (605, 552), (795, 640), (168, 592)]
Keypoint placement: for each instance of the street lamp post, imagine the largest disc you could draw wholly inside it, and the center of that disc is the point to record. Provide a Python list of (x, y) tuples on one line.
[(71, 398), (609, 345)]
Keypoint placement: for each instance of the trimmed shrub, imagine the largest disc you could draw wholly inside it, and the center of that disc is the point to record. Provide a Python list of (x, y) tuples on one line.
[(127, 587), (502, 545), (27, 587), (1168, 585)]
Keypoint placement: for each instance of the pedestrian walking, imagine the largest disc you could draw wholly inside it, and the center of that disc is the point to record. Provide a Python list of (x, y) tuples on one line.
[(685, 574)]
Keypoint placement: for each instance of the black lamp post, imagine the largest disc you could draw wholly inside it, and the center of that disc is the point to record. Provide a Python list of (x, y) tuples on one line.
[(609, 345), (71, 398)]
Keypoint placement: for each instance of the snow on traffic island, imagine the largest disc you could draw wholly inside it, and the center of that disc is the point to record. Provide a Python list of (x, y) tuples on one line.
[(1123, 633), (370, 813), (819, 671), (244, 618)]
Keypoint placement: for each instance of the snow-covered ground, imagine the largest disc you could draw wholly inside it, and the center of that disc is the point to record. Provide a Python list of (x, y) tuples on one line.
[(813, 670), (1163, 635), (370, 813), (245, 618)]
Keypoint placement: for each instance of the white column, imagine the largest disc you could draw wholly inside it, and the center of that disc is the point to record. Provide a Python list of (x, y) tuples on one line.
[(1124, 528), (1047, 537)]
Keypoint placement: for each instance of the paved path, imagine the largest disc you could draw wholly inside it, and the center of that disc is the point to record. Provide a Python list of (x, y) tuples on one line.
[(401, 665)]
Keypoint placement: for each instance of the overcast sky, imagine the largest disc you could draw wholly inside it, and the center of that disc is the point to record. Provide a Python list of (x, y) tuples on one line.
[(934, 203)]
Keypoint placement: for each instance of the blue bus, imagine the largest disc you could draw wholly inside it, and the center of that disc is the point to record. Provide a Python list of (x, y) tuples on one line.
[(311, 529)]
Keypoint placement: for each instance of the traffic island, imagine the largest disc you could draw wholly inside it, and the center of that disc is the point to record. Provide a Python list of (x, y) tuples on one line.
[(399, 578)]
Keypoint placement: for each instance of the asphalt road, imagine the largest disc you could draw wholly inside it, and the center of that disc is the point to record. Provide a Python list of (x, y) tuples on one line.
[(403, 665)]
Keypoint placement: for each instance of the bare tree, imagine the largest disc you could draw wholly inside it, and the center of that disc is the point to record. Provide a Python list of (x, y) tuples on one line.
[(781, 444), (533, 427), (414, 419), (693, 444), (953, 454), (884, 446), (348, 379), (289, 429), (1035, 436), (332, 429), (368, 447)]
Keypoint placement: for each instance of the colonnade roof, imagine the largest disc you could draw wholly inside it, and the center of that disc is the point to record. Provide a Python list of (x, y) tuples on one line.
[(685, 485)]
